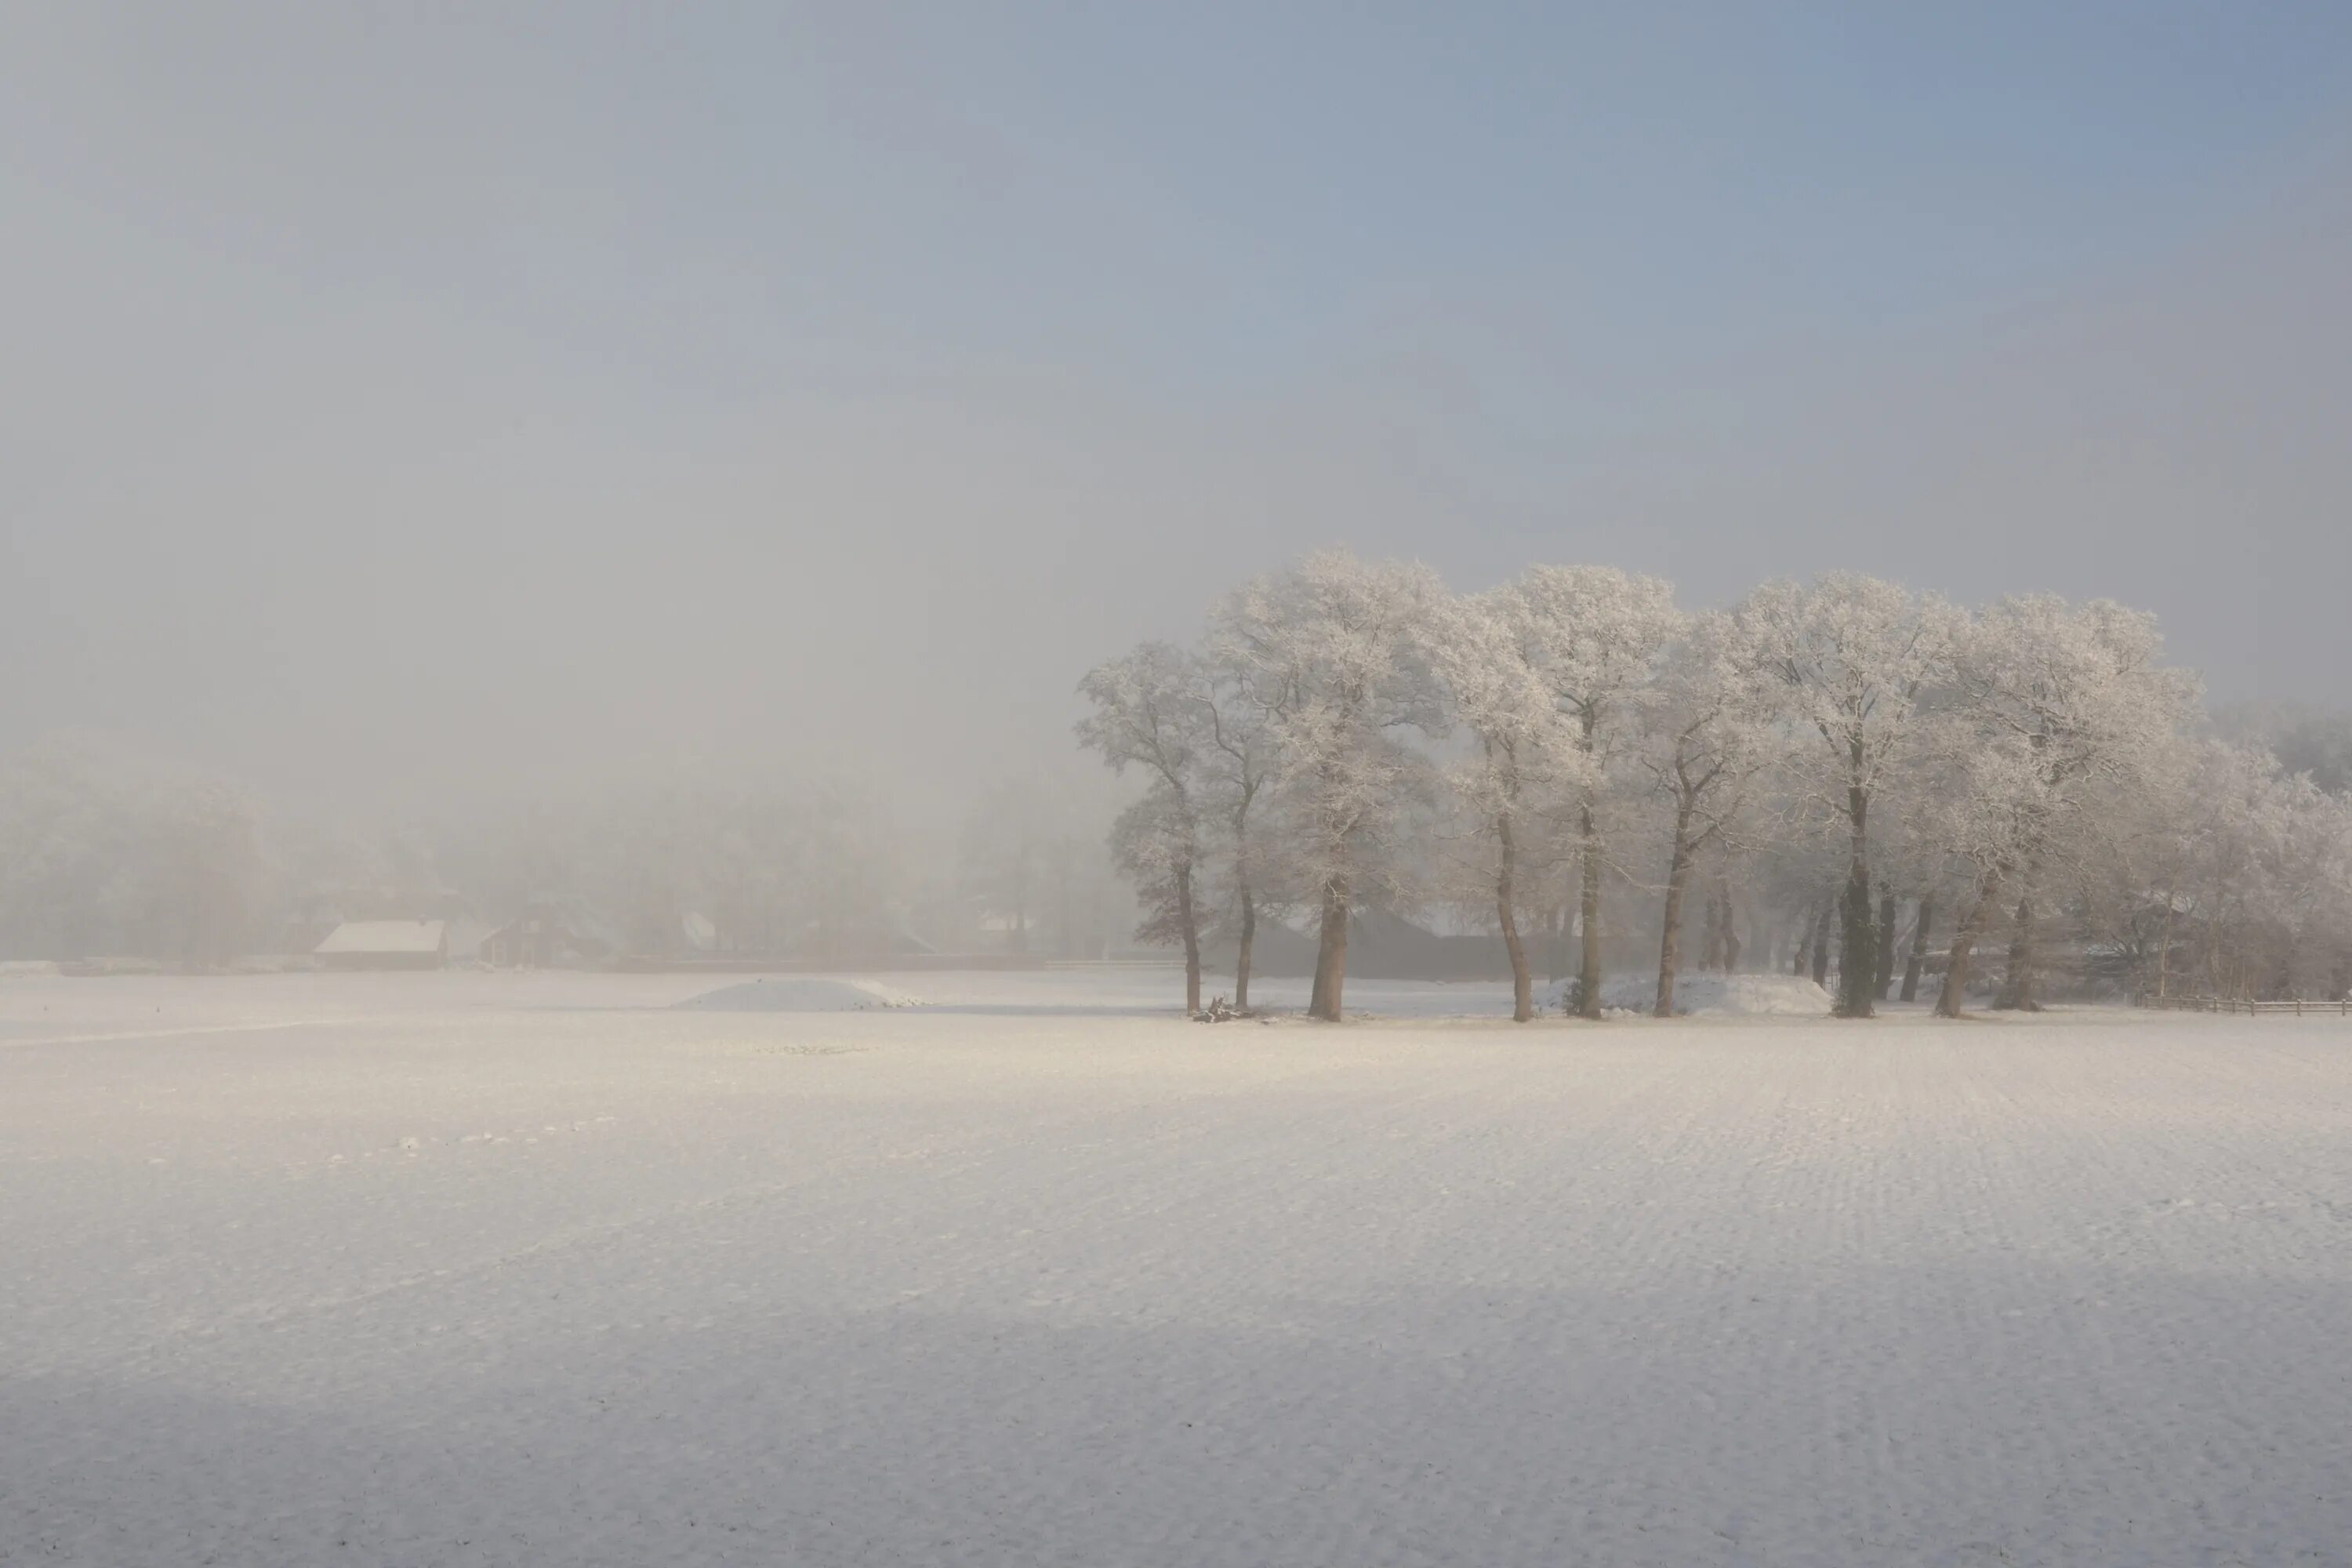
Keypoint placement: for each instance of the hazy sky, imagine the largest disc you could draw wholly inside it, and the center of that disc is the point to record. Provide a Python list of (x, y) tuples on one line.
[(436, 397)]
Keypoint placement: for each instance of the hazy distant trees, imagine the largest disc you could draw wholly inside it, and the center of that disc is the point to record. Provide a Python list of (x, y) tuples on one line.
[(1843, 770), (747, 864), (105, 854), (1004, 848), (2304, 740)]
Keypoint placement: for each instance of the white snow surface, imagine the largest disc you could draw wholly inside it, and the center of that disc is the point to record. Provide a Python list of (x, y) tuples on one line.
[(800, 993), (469, 1269)]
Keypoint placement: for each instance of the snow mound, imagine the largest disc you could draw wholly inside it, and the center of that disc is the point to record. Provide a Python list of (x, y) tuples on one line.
[(1721, 996), (799, 994)]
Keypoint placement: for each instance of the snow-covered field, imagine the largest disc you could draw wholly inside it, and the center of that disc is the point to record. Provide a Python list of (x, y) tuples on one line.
[(543, 1270)]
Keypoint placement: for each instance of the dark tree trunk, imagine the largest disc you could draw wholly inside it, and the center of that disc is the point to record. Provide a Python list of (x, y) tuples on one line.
[(1523, 986), (2017, 980), (2164, 947), (1331, 955), (1670, 937), (1954, 995), (1588, 974), (1918, 954), (1857, 949), (1241, 953), (1187, 919), (1888, 908)]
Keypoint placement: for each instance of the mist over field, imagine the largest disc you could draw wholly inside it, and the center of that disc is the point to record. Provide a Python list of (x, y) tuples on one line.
[(406, 412)]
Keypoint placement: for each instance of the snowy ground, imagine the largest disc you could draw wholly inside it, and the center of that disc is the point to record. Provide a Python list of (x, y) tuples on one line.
[(470, 1269)]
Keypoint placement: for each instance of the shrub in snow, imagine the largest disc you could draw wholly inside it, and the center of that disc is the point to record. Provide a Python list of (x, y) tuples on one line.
[(1721, 996)]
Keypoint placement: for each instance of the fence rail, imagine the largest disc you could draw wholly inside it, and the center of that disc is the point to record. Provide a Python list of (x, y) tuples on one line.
[(2340, 1007)]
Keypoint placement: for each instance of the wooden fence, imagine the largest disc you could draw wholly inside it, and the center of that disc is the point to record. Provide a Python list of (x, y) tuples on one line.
[(2340, 1007)]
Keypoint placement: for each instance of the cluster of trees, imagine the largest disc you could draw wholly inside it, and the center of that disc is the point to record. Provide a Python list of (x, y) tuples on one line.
[(1845, 767)]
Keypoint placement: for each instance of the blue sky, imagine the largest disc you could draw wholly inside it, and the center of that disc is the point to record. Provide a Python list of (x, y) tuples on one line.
[(954, 345)]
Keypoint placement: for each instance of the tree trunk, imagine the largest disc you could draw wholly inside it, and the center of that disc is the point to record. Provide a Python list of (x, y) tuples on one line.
[(1523, 987), (2017, 982), (2164, 946), (1888, 908), (1918, 954), (1242, 958), (1722, 939), (1857, 949), (1589, 978), (1954, 995), (1331, 955), (1670, 936), (1189, 921)]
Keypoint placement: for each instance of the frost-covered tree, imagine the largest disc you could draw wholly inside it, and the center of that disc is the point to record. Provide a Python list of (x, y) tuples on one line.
[(1997, 806), (2262, 902), (1859, 659), (1914, 859), (1708, 735), (2077, 703), (1238, 766), (1328, 650), (1154, 708), (1593, 636), (1485, 650), (1156, 844)]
